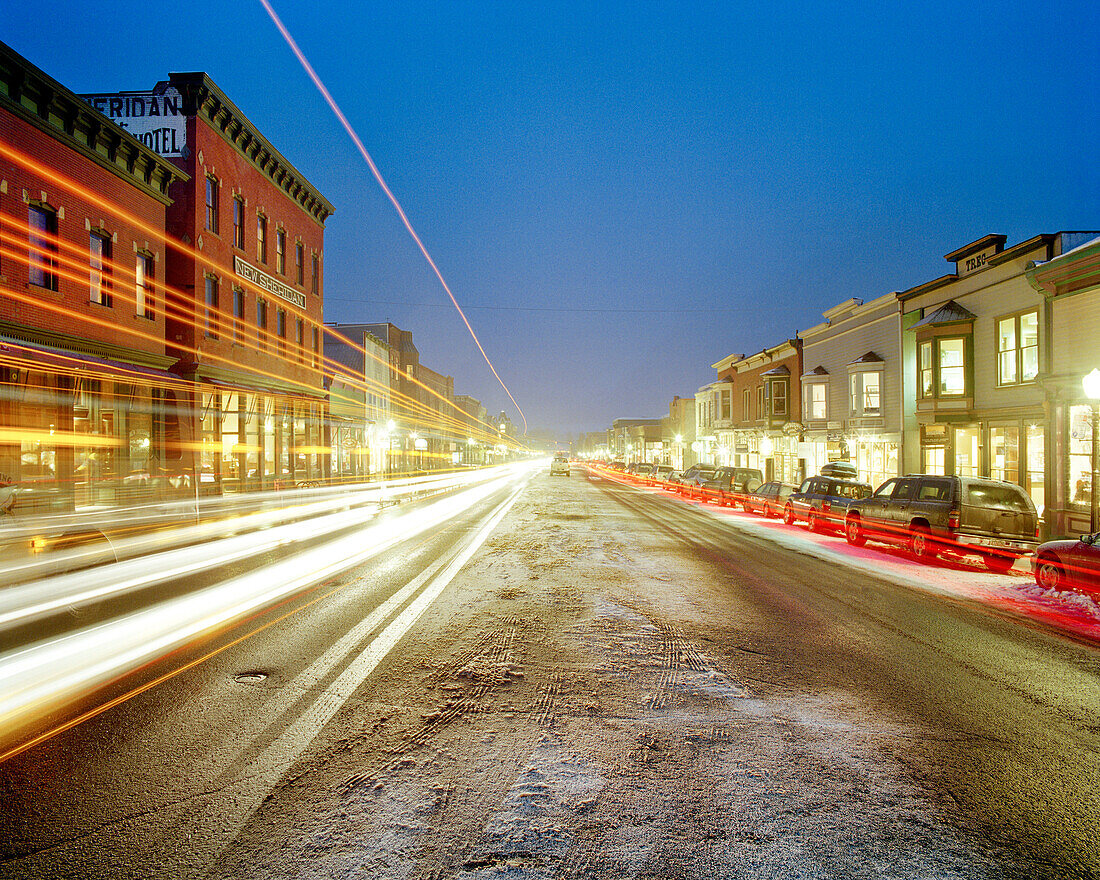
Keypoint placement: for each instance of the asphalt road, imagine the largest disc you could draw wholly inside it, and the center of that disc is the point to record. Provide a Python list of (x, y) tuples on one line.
[(612, 684)]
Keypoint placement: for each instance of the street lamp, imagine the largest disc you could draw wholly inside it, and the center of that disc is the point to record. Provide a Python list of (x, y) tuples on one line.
[(1091, 384)]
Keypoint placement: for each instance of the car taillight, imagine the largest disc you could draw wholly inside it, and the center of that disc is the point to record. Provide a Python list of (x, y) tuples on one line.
[(1036, 531), (953, 519), (826, 506)]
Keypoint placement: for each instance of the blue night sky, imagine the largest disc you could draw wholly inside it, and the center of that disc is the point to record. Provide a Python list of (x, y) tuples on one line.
[(620, 194)]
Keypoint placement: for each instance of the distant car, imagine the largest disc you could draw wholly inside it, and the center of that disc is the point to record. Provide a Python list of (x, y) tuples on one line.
[(769, 498), (560, 465), (617, 466), (692, 480), (730, 485), (822, 501), (931, 514), (1068, 562)]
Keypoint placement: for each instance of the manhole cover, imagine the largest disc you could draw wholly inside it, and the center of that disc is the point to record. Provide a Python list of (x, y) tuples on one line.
[(251, 677)]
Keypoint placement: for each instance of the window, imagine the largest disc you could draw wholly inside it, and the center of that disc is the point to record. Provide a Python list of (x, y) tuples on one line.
[(261, 322), (927, 382), (280, 251), (853, 393), (261, 238), (759, 402), (42, 243), (238, 312), (316, 347), (746, 403), (1018, 348), (280, 330), (886, 489), (1004, 453), (315, 281), (952, 363), (145, 300), (967, 451), (872, 384), (299, 263), (210, 313), (99, 267), (815, 401), (238, 222), (727, 404), (212, 204), (300, 338), (943, 364), (778, 397)]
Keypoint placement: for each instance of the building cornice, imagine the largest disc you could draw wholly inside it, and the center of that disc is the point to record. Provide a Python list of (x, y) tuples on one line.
[(927, 287), (81, 345), (203, 99), (983, 243), (1074, 272), (39, 100)]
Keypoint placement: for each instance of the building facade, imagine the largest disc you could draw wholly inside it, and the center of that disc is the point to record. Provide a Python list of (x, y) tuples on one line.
[(1070, 286), (766, 410), (244, 294), (88, 406), (851, 389), (976, 347)]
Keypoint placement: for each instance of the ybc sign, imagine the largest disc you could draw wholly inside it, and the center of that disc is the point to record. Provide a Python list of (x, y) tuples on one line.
[(271, 285), (155, 119)]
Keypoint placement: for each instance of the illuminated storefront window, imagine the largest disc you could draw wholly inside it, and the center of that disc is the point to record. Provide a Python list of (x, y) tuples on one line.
[(1004, 453), (967, 452), (1034, 481), (1080, 455)]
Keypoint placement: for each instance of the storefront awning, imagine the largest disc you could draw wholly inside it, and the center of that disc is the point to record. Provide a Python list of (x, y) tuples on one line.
[(26, 355)]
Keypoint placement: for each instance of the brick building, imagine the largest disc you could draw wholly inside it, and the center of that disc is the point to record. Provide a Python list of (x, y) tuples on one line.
[(765, 410), (85, 394), (245, 293)]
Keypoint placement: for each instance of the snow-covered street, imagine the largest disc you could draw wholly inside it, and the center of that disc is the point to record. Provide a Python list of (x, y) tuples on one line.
[(616, 684)]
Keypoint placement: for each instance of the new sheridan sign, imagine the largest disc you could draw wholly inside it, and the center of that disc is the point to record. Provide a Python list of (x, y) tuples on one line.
[(271, 285)]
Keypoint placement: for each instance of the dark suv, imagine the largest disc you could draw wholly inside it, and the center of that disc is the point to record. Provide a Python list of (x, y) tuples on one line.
[(822, 501), (730, 485), (958, 515)]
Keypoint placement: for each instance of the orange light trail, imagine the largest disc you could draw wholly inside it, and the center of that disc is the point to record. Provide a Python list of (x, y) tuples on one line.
[(389, 194), (67, 261)]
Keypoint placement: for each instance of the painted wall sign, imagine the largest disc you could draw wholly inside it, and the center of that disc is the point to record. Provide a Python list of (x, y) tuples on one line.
[(974, 262), (155, 119), (271, 285)]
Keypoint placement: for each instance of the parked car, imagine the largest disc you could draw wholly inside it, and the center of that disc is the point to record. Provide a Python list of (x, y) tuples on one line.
[(958, 515), (1069, 563), (618, 466), (770, 498), (560, 465), (672, 479), (823, 501), (660, 473), (693, 478), (730, 485)]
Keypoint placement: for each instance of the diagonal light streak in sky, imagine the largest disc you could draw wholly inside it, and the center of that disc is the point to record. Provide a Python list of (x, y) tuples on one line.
[(389, 194)]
